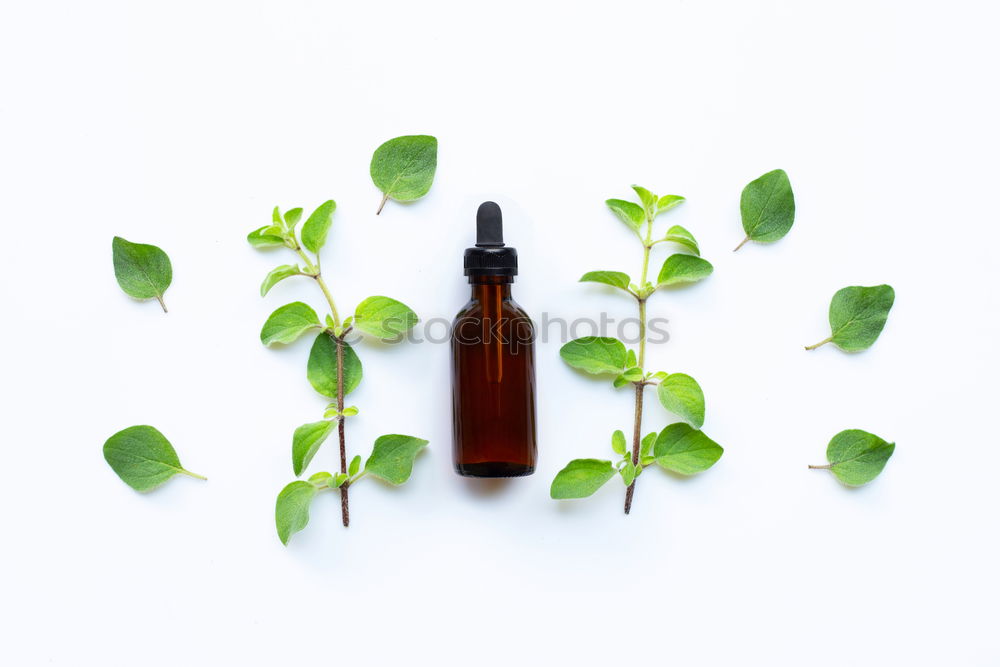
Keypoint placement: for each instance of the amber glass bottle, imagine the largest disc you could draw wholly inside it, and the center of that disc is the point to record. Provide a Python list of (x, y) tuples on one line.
[(493, 363)]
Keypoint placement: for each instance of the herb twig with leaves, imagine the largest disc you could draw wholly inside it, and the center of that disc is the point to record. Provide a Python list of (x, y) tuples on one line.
[(333, 369), (680, 447)]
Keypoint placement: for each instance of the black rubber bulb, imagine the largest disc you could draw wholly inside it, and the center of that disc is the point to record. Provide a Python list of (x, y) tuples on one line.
[(489, 226)]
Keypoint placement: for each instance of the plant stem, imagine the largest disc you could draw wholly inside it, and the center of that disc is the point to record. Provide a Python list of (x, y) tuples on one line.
[(317, 275), (385, 198), (640, 386), (162, 305), (193, 474), (344, 511), (742, 243), (636, 439), (826, 467), (822, 342)]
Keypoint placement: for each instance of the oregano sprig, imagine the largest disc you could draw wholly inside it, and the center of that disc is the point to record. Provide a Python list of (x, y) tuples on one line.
[(333, 369), (680, 447)]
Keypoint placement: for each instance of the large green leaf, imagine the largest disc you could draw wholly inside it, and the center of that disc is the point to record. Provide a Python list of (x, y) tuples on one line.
[(685, 450), (681, 394), (291, 511), (403, 168), (595, 354), (628, 212), (322, 367), (858, 315), (392, 457), (681, 269), (767, 207), (289, 322), (306, 442), (315, 229), (613, 278), (143, 271), (681, 236), (383, 317), (143, 457), (581, 478), (857, 457)]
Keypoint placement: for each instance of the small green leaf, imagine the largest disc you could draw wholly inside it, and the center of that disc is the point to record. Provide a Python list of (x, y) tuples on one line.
[(314, 229), (277, 275), (659, 376), (857, 316), (289, 322), (276, 216), (857, 457), (619, 382), (403, 168), (268, 236), (628, 473), (143, 457), (646, 446), (613, 278), (648, 460), (292, 218), (682, 449), (355, 466), (683, 269), (581, 478), (630, 359), (383, 317), (392, 457), (291, 511), (667, 202), (595, 354), (338, 480), (681, 236), (618, 442), (633, 374), (306, 442), (628, 212), (681, 394), (350, 411), (322, 367), (767, 207), (320, 478), (648, 200), (143, 271)]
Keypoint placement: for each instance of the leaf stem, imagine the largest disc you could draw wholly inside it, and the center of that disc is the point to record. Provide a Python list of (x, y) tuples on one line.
[(317, 275), (193, 474), (822, 342), (162, 305), (385, 198), (825, 467), (742, 243)]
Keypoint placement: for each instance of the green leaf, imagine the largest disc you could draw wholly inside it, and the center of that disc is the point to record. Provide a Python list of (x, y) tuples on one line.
[(646, 446), (633, 374), (268, 236), (628, 472), (350, 411), (581, 478), (648, 200), (681, 236), (143, 271), (628, 212), (315, 228), (277, 275), (392, 457), (292, 218), (355, 466), (680, 394), (143, 457), (618, 442), (291, 511), (403, 168), (338, 480), (383, 317), (767, 207), (320, 478), (289, 322), (667, 202), (306, 441), (595, 354), (613, 278), (276, 216), (322, 367), (682, 449), (857, 457), (683, 269), (619, 382), (630, 359), (857, 316)]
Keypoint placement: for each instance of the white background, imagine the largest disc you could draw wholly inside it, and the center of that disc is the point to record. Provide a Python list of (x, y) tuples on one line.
[(183, 123)]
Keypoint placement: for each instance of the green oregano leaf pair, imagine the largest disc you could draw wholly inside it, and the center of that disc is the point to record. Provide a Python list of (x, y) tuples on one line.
[(679, 447), (333, 368)]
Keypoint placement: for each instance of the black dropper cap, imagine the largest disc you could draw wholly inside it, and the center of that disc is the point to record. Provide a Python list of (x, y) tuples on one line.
[(490, 257)]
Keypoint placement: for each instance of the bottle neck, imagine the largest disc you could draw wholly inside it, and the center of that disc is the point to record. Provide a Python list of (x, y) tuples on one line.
[(490, 287)]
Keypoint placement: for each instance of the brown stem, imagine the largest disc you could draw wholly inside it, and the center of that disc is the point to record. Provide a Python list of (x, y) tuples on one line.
[(636, 440), (384, 200), (344, 511), (742, 243)]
